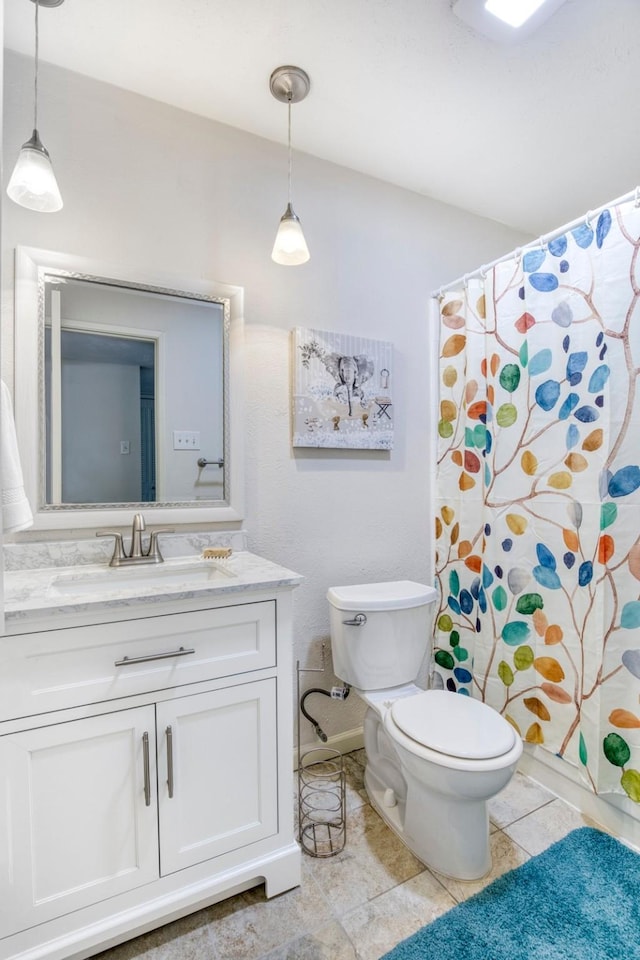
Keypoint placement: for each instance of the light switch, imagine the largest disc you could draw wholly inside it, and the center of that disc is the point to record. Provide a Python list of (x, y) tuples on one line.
[(186, 439), (125, 446)]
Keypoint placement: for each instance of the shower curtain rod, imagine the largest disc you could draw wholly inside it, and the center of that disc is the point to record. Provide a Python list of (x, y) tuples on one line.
[(540, 242)]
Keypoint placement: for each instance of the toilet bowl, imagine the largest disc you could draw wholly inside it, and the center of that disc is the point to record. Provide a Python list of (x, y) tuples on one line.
[(434, 758)]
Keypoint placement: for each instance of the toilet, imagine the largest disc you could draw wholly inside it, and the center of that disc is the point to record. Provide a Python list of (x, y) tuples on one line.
[(434, 758)]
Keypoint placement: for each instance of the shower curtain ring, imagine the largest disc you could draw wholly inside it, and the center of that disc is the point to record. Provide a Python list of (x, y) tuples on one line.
[(587, 219), (637, 200)]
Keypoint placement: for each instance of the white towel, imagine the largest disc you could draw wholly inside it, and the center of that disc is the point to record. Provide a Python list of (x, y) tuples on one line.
[(16, 512)]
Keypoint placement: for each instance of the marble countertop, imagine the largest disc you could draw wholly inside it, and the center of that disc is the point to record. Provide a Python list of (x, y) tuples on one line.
[(56, 593)]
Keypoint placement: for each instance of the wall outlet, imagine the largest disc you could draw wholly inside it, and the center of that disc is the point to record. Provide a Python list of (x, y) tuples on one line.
[(125, 446), (186, 439)]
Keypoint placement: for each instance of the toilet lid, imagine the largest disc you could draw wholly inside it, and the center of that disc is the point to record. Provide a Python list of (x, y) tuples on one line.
[(391, 595), (454, 724)]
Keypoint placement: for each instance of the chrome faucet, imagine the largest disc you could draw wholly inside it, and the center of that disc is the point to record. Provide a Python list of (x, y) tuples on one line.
[(137, 553)]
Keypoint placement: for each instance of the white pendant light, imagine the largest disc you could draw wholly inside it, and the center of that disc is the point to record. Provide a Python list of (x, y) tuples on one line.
[(33, 183), (289, 85), (513, 12)]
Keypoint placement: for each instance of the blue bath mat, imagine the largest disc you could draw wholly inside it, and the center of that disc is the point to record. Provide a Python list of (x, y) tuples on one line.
[(579, 900)]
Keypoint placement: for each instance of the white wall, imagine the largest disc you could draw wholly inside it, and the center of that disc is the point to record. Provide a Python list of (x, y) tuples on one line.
[(144, 183)]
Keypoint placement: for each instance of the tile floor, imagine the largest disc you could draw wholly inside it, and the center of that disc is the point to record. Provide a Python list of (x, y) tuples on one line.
[(360, 903)]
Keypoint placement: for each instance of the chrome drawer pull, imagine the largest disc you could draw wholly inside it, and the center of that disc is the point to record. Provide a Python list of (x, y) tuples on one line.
[(169, 733), (180, 652), (147, 778), (358, 620)]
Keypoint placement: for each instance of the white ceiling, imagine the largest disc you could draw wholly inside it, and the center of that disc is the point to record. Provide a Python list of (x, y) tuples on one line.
[(532, 134)]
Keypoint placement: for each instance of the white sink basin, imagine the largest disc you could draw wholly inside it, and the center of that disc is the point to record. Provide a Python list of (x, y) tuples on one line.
[(171, 573)]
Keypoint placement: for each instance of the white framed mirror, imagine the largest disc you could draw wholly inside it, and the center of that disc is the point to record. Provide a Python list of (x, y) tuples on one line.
[(127, 393)]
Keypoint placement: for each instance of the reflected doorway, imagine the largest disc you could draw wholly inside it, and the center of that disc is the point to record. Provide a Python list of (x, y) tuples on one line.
[(101, 431)]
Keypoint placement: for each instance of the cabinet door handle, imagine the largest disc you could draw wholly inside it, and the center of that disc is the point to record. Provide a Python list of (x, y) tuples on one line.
[(147, 776), (169, 733), (180, 652)]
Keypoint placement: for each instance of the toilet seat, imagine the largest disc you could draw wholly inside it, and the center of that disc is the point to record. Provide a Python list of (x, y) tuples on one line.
[(453, 725)]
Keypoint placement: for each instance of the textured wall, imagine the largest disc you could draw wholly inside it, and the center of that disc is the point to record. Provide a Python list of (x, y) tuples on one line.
[(147, 184)]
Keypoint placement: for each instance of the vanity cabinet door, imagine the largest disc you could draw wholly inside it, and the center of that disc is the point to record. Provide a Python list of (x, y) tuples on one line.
[(217, 772), (78, 815)]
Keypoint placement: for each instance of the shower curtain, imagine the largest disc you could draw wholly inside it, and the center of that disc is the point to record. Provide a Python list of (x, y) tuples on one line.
[(538, 495)]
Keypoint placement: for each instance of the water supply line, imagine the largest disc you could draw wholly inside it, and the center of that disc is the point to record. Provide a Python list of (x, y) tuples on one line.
[(336, 693)]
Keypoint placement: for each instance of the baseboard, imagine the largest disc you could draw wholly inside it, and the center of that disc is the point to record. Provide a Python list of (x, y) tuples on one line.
[(615, 813), (344, 742)]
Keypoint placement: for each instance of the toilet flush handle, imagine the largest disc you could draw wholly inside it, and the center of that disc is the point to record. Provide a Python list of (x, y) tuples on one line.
[(357, 621)]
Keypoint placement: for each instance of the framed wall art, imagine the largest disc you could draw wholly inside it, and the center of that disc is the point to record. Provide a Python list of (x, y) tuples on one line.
[(342, 391)]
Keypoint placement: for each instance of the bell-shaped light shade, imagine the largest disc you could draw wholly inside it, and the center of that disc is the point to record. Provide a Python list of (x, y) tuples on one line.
[(33, 183), (290, 247)]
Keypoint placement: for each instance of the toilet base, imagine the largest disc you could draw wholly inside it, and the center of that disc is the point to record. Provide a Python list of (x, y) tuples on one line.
[(439, 850), (440, 815), (455, 841), (392, 816)]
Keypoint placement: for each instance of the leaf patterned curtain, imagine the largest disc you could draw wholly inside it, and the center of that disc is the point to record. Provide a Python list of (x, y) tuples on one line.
[(538, 496)]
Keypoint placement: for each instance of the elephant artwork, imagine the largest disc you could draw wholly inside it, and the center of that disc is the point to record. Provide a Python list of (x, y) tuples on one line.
[(342, 384), (350, 373)]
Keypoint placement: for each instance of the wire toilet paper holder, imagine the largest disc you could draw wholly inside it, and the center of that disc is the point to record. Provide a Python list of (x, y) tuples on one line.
[(322, 814)]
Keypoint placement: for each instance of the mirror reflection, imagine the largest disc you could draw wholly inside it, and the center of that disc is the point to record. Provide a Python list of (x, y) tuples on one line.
[(133, 393)]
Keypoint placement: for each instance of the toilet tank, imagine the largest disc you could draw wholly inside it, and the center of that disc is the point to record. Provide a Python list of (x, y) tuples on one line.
[(380, 632)]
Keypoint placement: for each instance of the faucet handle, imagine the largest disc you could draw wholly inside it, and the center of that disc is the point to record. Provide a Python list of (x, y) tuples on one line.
[(153, 551), (118, 546)]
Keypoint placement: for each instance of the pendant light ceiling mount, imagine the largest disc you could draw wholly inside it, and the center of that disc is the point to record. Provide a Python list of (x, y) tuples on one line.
[(48, 3), (289, 85)]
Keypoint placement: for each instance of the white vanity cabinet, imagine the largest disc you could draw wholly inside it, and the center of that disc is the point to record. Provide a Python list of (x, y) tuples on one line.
[(145, 771), (76, 827)]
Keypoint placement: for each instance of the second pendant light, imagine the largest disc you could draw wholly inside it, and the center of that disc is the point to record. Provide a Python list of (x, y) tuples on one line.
[(289, 85)]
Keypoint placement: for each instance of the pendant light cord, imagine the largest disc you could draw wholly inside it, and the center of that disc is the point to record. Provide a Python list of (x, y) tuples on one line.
[(35, 92), (289, 139)]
